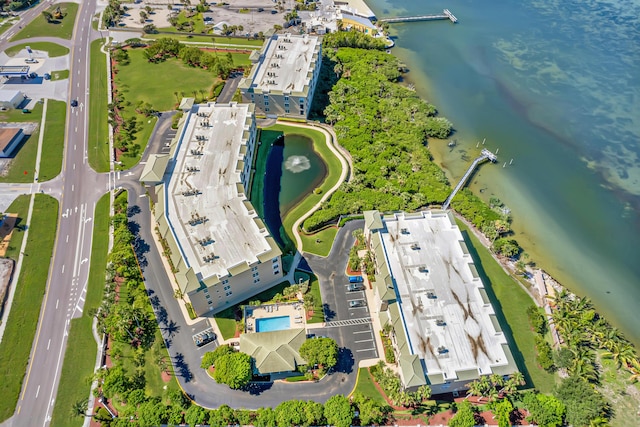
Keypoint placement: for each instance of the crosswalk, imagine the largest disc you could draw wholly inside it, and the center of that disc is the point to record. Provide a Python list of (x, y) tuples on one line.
[(338, 323)]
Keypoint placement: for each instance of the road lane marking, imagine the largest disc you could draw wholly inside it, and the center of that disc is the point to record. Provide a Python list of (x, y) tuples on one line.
[(57, 302), (37, 392), (74, 166), (73, 187), (63, 269), (49, 344), (67, 238), (74, 147)]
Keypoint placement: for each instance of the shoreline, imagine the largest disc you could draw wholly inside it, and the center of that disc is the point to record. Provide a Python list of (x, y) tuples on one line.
[(535, 239)]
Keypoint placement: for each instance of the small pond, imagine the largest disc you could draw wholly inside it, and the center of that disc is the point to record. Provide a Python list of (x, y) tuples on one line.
[(293, 171)]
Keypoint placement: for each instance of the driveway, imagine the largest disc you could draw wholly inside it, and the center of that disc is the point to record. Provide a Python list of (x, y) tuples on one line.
[(229, 89), (349, 326)]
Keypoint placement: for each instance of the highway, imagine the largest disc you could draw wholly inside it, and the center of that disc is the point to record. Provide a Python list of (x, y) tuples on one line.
[(79, 188)]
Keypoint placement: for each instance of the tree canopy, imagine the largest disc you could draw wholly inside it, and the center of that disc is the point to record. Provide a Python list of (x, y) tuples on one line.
[(338, 412), (546, 411), (320, 351), (233, 370), (210, 357), (464, 416), (583, 402)]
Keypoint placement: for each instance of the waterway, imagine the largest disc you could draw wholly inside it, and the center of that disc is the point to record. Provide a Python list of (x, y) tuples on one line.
[(555, 86), (293, 171)]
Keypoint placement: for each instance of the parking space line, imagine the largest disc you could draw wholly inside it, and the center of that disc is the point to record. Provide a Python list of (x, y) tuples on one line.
[(366, 349), (359, 341), (363, 332)]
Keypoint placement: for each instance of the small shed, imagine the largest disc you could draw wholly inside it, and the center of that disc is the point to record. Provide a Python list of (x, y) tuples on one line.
[(10, 99)]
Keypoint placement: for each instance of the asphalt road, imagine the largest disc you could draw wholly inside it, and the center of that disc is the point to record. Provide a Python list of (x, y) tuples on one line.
[(78, 188)]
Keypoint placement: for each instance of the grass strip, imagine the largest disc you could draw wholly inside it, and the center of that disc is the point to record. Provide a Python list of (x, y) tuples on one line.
[(366, 386), (62, 28), (217, 41), (98, 149), (53, 140), (510, 303), (80, 356), (319, 243), (27, 302), (59, 75), (53, 49)]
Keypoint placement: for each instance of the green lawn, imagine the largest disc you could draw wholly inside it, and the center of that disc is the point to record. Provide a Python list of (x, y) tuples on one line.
[(210, 39), (5, 24), (62, 28), (80, 357), (30, 289), (53, 140), (53, 48), (334, 168), (170, 77), (314, 289), (171, 81), (616, 388), (319, 243), (59, 75), (198, 23), (366, 386), (98, 151), (510, 302), (25, 158), (19, 206)]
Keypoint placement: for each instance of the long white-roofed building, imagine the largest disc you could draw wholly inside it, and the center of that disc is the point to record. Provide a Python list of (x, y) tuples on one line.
[(427, 290), (283, 77), (221, 251)]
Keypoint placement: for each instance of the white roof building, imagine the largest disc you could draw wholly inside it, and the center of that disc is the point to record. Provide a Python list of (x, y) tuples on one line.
[(429, 290)]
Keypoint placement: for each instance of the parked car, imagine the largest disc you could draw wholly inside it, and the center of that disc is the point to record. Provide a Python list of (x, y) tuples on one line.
[(352, 287), (356, 303), (355, 279)]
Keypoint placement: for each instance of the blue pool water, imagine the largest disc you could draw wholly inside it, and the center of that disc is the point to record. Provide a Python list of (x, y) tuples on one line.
[(272, 324)]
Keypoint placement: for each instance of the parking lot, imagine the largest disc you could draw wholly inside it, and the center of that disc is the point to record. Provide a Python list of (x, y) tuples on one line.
[(347, 315), (37, 88)]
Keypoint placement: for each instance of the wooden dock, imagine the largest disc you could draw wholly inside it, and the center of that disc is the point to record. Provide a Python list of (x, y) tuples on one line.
[(484, 156), (446, 14)]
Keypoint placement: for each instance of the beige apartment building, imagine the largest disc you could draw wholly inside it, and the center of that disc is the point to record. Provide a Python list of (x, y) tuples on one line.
[(221, 250), (283, 77), (427, 290)]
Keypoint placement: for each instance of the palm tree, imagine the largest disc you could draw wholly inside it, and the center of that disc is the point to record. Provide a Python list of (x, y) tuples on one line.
[(475, 389), (79, 408), (518, 378)]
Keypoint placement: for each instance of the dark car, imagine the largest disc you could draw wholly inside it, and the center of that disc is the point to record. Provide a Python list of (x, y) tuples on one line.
[(74, 103), (260, 9), (47, 76)]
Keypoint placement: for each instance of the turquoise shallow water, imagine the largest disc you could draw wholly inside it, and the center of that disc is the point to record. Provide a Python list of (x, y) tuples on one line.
[(555, 86)]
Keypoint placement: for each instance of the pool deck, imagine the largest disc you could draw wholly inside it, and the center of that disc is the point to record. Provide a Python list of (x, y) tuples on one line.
[(295, 311)]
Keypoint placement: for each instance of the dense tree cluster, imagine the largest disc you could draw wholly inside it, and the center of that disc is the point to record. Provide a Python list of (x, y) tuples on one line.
[(392, 386), (163, 48), (384, 126), (233, 369), (320, 351), (112, 13), (353, 39)]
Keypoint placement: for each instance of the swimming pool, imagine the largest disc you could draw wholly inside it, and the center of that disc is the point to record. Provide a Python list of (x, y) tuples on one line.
[(272, 324)]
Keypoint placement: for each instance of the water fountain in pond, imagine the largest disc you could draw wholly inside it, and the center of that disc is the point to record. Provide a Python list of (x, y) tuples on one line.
[(297, 164)]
